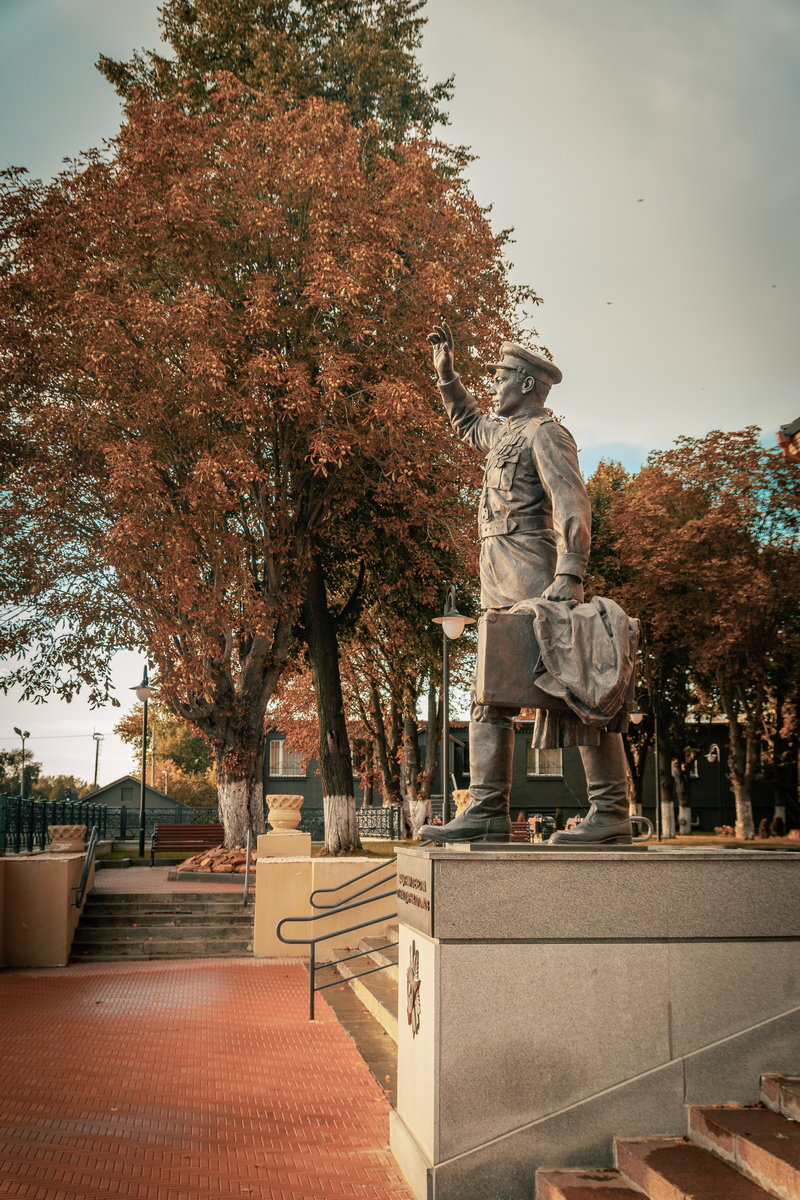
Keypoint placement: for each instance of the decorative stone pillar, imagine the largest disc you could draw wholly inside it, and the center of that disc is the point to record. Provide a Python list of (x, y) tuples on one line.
[(66, 839), (284, 811)]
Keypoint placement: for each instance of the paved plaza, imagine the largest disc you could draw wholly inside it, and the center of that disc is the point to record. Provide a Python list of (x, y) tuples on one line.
[(178, 1080)]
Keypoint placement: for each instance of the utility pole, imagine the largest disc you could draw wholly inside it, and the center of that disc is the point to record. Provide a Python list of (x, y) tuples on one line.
[(98, 737)]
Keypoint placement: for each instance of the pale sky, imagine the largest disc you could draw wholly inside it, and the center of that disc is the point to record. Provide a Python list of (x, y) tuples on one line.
[(647, 156)]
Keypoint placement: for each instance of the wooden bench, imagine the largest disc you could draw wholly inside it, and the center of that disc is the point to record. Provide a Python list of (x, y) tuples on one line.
[(520, 831), (185, 838)]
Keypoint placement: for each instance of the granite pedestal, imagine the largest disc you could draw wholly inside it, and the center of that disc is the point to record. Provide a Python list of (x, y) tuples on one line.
[(552, 1000)]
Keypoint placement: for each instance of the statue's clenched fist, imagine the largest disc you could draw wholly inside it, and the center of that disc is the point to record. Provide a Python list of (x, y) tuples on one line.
[(441, 340)]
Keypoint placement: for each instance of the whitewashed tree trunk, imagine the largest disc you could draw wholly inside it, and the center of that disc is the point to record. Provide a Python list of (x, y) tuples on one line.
[(745, 825), (241, 806), (634, 805), (684, 819), (667, 819), (341, 825), (421, 813)]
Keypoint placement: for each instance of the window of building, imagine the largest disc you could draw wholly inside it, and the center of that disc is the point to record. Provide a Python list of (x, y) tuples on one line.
[(284, 762), (544, 764)]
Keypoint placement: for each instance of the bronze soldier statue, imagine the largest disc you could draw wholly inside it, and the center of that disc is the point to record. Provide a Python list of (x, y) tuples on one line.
[(535, 527)]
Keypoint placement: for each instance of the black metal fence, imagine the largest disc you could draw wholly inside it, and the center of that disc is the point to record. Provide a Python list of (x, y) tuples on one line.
[(381, 822), (23, 823), (123, 823), (372, 822)]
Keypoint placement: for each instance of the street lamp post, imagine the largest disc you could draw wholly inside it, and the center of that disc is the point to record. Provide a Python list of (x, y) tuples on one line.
[(452, 623), (646, 704), (143, 692), (98, 737), (23, 735), (715, 756)]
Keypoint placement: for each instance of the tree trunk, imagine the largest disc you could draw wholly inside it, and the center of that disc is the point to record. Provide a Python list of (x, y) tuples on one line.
[(682, 793), (386, 753), (336, 766), (636, 759), (418, 804), (234, 726), (745, 825), (241, 800), (740, 767), (664, 767)]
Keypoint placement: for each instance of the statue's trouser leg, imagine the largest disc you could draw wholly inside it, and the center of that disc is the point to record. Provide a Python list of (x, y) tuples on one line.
[(491, 758), (607, 786)]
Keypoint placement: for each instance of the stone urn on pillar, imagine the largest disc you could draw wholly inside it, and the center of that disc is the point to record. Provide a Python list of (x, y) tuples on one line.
[(284, 812), (66, 839)]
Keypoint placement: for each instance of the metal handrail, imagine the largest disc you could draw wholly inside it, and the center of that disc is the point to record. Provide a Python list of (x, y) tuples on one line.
[(87, 866), (322, 937), (381, 866), (363, 892), (246, 892)]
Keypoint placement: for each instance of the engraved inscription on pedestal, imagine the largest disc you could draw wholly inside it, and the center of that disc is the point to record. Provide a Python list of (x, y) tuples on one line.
[(415, 896)]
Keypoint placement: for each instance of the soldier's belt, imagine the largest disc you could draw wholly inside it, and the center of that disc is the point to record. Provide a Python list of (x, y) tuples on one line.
[(508, 655), (512, 524)]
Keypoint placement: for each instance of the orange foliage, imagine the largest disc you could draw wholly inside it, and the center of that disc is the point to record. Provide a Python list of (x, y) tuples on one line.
[(214, 349)]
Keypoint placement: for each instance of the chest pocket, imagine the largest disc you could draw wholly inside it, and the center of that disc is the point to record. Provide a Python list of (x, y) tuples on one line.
[(501, 469)]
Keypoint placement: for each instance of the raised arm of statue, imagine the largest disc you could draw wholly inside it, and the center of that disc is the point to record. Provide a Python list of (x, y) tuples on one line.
[(466, 418)]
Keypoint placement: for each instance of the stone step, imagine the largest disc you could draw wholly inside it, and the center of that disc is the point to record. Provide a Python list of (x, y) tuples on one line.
[(101, 951), (382, 953), (164, 899), (135, 911), (160, 899), (584, 1185), (762, 1145), (781, 1093), (676, 1169), (164, 932), (377, 993), (92, 920)]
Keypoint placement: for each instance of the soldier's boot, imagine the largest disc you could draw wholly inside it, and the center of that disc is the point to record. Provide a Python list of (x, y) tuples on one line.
[(608, 822), (486, 818)]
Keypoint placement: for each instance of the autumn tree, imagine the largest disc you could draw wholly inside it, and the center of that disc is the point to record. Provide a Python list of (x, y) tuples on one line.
[(213, 342), (357, 53), (707, 537), (180, 760), (362, 55), (11, 780), (61, 787)]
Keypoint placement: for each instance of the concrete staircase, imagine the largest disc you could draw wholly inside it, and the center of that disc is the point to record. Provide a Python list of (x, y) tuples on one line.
[(731, 1153), (115, 926), (367, 1007), (378, 990)]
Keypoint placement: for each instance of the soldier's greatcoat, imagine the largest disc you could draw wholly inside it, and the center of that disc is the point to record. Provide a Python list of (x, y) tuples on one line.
[(534, 518)]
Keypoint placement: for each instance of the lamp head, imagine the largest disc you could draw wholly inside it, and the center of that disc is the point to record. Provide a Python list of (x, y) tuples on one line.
[(452, 621), (143, 690)]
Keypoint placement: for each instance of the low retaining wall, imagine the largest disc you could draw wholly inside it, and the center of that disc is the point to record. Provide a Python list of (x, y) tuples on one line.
[(38, 916)]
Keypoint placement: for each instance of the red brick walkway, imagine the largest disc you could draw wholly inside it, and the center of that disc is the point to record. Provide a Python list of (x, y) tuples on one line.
[(176, 1081)]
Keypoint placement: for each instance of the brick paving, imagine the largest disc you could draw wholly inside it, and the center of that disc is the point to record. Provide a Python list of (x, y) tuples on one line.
[(185, 1081)]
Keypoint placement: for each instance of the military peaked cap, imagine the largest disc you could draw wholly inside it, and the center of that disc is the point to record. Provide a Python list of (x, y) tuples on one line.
[(515, 357)]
